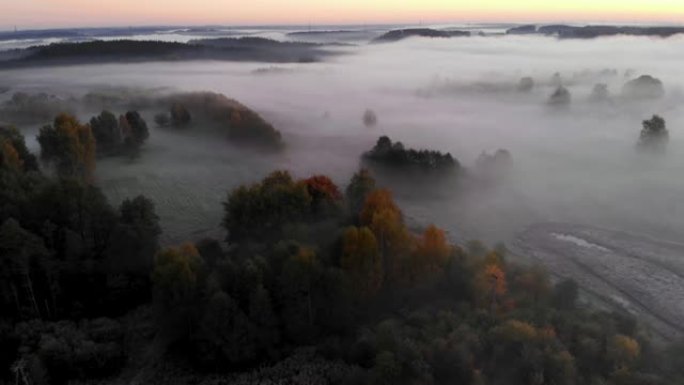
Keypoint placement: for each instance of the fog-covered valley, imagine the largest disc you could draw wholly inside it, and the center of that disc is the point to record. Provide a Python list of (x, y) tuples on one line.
[(574, 163)]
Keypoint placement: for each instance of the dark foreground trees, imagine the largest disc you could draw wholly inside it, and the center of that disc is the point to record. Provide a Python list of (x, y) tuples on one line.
[(67, 255), (306, 272)]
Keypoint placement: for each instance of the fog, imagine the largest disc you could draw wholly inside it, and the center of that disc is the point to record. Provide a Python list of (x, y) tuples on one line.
[(576, 164)]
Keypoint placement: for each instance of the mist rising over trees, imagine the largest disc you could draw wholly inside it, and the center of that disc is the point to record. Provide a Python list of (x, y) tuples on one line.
[(317, 272)]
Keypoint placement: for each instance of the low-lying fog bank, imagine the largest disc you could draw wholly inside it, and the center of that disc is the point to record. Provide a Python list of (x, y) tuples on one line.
[(574, 164)]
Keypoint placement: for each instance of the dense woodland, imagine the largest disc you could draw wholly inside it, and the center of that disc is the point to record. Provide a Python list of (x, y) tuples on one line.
[(310, 276), (116, 51)]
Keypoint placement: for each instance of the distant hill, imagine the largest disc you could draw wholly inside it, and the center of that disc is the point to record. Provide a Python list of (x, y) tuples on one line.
[(592, 31), (228, 49), (399, 34)]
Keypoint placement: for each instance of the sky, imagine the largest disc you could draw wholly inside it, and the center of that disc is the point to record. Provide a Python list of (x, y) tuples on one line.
[(81, 13)]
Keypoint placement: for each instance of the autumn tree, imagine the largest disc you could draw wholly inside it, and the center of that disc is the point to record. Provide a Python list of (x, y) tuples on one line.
[(382, 215), (375, 203), (13, 151), (325, 196), (623, 351), (361, 184), (362, 260), (490, 283), (534, 284), (432, 252), (9, 157), (176, 276), (70, 145)]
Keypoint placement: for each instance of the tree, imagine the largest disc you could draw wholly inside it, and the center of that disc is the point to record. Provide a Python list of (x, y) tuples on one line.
[(491, 285), (432, 252), (296, 291), (225, 334), (180, 116), (376, 202), (136, 238), (535, 285), (600, 93), (260, 211), (526, 84), (362, 260), (516, 331), (13, 151), (370, 119), (76, 218), (106, 132), (396, 156), (623, 350), (561, 97), (261, 314), (360, 186), (20, 253), (9, 157), (176, 276), (382, 215), (70, 145), (325, 195), (654, 135), (644, 87), (138, 133)]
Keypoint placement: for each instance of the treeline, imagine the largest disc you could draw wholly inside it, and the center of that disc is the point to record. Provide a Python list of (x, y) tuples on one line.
[(594, 31), (118, 51), (396, 156), (305, 264), (231, 118), (72, 147), (34, 107), (309, 265)]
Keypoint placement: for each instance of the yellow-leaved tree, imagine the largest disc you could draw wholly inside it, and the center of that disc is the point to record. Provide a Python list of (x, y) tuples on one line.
[(361, 258)]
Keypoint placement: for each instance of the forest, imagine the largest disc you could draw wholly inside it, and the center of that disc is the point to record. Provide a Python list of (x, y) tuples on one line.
[(314, 283), (122, 50)]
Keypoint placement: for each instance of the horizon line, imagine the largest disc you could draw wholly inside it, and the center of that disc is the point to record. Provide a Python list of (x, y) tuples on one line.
[(17, 28)]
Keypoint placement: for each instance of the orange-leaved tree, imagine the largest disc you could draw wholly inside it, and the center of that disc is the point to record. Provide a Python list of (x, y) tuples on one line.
[(432, 252), (361, 258), (382, 215), (70, 145), (324, 193)]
